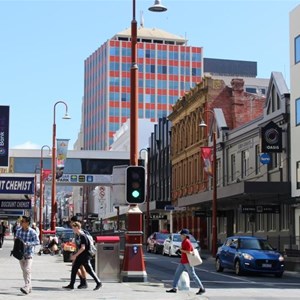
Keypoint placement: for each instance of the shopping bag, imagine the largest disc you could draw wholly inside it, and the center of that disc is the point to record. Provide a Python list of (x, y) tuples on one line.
[(194, 258), (184, 281)]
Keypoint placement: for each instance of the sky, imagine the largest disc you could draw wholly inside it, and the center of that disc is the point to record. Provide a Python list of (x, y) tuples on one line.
[(44, 45)]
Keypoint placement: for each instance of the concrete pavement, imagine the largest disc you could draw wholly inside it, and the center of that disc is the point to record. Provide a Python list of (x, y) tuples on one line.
[(50, 273)]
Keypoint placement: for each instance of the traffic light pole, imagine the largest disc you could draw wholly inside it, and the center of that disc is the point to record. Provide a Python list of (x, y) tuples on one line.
[(133, 269)]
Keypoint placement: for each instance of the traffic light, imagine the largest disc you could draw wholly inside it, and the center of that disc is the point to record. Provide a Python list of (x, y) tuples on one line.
[(135, 184)]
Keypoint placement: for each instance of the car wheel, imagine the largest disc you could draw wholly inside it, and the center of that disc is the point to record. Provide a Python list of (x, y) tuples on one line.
[(219, 267), (155, 249), (237, 268), (279, 275), (170, 253)]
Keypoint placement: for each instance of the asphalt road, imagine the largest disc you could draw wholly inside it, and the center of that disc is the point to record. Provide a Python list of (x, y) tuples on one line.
[(162, 268)]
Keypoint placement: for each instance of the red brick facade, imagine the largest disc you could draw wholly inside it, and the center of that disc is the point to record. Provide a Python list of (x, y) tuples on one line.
[(188, 177)]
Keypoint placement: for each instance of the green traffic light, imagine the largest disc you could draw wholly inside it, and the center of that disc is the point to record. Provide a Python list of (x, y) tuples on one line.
[(135, 194)]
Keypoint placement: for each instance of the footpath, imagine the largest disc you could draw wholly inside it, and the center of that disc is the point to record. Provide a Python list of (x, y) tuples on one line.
[(50, 273)]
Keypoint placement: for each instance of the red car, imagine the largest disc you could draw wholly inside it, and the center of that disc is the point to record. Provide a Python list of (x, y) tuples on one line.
[(155, 242)]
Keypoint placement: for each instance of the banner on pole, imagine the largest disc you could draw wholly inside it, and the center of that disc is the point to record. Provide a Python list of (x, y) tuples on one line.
[(206, 153), (4, 135), (45, 174), (62, 149)]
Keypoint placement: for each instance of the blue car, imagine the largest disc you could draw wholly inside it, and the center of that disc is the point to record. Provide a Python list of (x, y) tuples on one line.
[(249, 254)]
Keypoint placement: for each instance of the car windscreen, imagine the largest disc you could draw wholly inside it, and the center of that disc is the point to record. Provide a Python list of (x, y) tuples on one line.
[(176, 238), (161, 236), (255, 244)]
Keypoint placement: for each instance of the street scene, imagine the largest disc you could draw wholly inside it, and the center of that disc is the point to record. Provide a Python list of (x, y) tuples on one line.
[(50, 273), (149, 149)]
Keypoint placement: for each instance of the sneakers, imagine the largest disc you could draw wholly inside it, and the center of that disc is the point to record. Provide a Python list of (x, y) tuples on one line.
[(25, 291), (98, 286), (173, 290), (201, 291), (82, 286), (68, 287)]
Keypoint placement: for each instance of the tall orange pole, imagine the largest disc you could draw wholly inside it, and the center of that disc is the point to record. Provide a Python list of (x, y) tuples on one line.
[(214, 200), (42, 190), (53, 179), (53, 168), (133, 268)]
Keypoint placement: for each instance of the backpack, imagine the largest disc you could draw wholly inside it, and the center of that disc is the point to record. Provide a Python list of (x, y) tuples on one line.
[(18, 249), (92, 247)]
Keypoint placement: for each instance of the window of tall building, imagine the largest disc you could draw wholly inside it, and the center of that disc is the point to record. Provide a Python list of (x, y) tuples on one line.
[(251, 90), (297, 49), (114, 51), (297, 111), (141, 53), (124, 97)]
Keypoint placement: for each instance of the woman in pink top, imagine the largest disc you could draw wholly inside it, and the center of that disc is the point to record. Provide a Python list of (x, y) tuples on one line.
[(186, 247)]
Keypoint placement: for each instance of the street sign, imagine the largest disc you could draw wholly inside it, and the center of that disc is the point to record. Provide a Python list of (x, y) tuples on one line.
[(265, 158), (261, 209), (180, 208), (169, 207), (202, 213)]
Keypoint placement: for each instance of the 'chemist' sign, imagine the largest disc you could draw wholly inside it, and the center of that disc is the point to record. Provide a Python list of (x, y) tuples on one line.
[(13, 204), (16, 185)]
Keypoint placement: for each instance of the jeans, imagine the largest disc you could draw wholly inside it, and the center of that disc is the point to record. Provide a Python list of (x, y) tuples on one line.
[(191, 272)]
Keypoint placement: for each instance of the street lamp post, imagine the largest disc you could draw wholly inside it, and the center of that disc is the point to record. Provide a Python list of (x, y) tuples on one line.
[(147, 227), (42, 190), (35, 195), (53, 180), (133, 265), (214, 175)]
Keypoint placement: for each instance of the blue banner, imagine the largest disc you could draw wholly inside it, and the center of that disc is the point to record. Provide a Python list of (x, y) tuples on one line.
[(4, 134), (16, 185), (15, 204)]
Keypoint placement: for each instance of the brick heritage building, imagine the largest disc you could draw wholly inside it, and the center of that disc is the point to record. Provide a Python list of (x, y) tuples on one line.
[(188, 176)]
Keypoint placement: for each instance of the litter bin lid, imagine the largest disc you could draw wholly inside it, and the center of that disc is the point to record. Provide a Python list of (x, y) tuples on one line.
[(107, 239), (48, 232)]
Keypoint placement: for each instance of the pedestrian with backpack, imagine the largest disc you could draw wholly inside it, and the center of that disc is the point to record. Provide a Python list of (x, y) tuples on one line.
[(82, 257), (81, 271), (30, 239)]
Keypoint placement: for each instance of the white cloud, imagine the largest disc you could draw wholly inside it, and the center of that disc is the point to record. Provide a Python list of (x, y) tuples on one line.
[(27, 145)]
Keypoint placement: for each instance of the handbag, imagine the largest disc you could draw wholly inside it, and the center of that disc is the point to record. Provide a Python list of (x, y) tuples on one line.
[(194, 259)]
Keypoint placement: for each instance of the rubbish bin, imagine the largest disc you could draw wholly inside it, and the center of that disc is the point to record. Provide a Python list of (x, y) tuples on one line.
[(108, 258)]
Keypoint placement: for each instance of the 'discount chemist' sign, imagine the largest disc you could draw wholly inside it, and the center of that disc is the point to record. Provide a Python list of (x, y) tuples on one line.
[(16, 185)]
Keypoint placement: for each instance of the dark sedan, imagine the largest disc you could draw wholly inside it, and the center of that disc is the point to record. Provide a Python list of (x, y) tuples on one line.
[(249, 254), (155, 242)]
